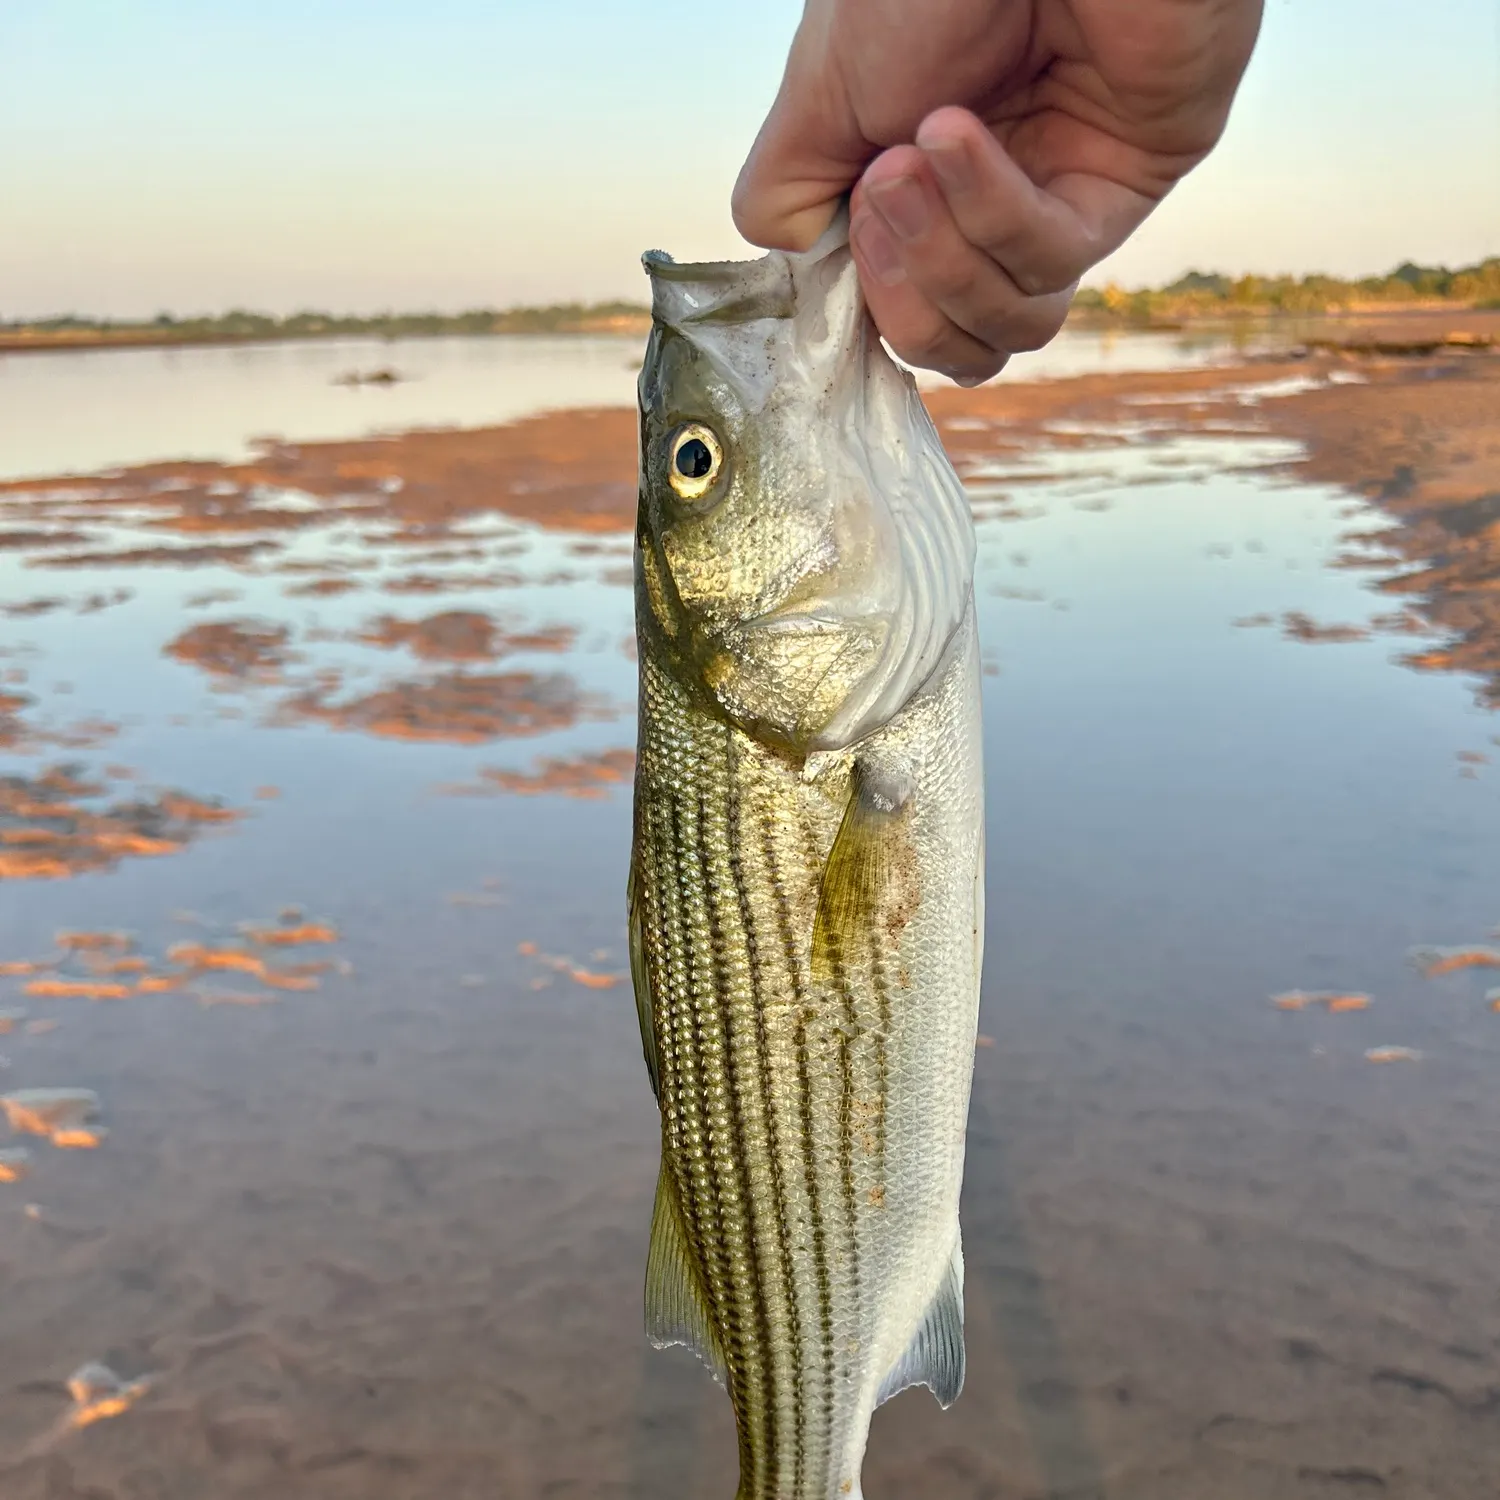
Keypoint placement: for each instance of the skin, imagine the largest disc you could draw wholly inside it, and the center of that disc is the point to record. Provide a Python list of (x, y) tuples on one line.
[(994, 149)]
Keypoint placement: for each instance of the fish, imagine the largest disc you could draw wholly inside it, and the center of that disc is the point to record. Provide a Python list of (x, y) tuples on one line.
[(806, 889)]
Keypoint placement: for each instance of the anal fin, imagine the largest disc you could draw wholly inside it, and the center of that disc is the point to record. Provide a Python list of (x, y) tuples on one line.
[(676, 1309), (935, 1357)]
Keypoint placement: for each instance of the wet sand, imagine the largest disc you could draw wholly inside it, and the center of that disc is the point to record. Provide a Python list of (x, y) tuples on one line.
[(367, 1217)]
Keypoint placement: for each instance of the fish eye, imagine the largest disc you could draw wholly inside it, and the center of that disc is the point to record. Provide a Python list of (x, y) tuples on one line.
[(697, 461)]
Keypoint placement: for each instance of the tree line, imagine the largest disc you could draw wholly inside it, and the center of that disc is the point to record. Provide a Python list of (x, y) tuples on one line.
[(1210, 294), (1197, 294), (239, 324)]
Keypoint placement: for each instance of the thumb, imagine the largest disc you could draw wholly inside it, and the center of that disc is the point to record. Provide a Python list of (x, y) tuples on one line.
[(808, 154)]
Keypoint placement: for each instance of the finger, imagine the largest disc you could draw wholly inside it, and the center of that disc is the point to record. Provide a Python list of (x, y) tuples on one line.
[(909, 321), (784, 198), (807, 156), (926, 254), (1045, 237)]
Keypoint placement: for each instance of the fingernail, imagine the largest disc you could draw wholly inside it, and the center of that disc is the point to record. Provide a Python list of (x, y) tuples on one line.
[(903, 205), (951, 165), (878, 249)]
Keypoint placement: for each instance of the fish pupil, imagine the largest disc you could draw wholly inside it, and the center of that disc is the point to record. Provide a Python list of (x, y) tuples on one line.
[(694, 459)]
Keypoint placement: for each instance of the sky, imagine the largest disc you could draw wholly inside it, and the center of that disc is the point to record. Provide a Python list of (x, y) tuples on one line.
[(279, 154)]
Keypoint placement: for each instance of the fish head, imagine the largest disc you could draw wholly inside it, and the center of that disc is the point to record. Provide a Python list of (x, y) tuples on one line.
[(804, 549)]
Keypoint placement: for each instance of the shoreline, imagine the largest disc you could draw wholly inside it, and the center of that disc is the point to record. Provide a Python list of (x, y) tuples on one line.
[(91, 343), (1455, 326)]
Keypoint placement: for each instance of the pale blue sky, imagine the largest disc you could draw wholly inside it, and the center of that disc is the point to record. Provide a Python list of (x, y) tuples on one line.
[(191, 155)]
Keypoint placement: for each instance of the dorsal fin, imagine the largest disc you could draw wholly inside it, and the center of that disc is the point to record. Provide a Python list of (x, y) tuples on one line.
[(935, 1357)]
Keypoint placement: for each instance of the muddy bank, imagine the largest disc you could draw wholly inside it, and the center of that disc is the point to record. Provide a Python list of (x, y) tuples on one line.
[(575, 470), (572, 471), (1418, 435)]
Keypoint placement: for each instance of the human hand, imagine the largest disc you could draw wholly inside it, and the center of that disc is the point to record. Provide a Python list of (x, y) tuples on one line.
[(996, 150)]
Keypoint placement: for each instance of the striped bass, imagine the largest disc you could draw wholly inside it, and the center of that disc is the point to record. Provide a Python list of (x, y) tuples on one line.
[(806, 890)]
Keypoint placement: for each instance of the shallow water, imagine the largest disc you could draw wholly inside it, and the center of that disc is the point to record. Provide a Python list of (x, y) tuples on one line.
[(75, 412), (383, 1237)]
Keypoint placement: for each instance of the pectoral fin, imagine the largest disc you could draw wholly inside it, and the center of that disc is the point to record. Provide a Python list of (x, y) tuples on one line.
[(935, 1357), (676, 1310), (869, 886)]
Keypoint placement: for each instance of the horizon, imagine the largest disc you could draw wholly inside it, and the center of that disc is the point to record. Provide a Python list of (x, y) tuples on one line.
[(625, 305), (282, 159)]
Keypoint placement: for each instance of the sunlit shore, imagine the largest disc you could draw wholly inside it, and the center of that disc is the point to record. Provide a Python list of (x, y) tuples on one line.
[(1422, 322), (70, 333)]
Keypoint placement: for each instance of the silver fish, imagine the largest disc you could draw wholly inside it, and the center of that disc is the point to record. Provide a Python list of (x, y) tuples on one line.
[(806, 892)]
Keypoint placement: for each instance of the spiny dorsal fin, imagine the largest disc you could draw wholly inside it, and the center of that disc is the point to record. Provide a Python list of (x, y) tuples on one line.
[(870, 880), (641, 981), (676, 1311), (935, 1357)]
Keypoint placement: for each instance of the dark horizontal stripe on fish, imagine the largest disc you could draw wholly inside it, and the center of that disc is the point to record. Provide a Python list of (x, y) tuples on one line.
[(752, 1325), (804, 1105), (768, 1113)]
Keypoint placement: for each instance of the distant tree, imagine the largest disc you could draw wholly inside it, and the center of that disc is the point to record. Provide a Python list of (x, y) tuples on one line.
[(1199, 281)]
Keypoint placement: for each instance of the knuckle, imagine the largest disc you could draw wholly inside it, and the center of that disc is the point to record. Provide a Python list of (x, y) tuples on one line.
[(1041, 281), (1036, 264), (745, 196), (1025, 337), (960, 280), (1031, 325), (741, 210), (1028, 341), (928, 347), (924, 341), (976, 372)]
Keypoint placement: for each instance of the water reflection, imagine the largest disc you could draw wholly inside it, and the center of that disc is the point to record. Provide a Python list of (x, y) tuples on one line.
[(236, 649), (108, 965), (458, 635), (373, 1202), (462, 708), (59, 823), (66, 1117), (588, 777)]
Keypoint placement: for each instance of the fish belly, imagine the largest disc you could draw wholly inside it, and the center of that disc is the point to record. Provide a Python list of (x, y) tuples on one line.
[(813, 1114)]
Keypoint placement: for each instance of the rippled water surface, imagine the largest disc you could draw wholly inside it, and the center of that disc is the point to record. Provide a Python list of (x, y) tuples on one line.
[(362, 1211)]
